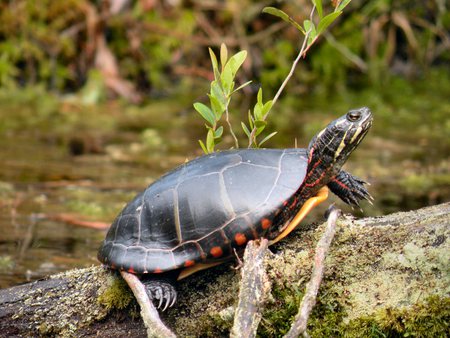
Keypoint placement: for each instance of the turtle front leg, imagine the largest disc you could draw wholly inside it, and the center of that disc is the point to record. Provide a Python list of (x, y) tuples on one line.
[(349, 188), (160, 289)]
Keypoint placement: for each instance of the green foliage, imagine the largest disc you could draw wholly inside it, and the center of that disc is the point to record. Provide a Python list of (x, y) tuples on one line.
[(160, 48), (257, 122), (222, 87), (34, 46), (309, 29), (223, 84)]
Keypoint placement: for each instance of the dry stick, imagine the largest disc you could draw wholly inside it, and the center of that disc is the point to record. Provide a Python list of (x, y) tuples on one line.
[(149, 314), (309, 299), (253, 288)]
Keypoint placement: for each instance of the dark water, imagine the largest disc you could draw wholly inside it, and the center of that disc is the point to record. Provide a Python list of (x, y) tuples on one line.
[(47, 192)]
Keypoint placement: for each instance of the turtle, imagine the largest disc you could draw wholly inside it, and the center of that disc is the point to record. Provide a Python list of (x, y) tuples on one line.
[(204, 211)]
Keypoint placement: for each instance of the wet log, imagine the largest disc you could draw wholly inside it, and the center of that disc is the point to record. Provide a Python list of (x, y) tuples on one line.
[(388, 263)]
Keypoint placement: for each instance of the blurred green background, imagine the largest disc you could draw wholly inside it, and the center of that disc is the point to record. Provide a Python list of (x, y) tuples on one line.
[(96, 103)]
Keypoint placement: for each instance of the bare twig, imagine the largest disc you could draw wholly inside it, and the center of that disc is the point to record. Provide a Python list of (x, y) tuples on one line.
[(150, 316), (253, 288), (309, 299)]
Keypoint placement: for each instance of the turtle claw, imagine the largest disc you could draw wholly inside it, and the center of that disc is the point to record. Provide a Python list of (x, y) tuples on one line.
[(350, 189), (162, 291)]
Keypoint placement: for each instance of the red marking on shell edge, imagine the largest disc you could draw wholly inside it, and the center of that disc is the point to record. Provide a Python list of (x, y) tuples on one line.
[(240, 239), (157, 270), (266, 223), (294, 203), (131, 270), (216, 251), (189, 263)]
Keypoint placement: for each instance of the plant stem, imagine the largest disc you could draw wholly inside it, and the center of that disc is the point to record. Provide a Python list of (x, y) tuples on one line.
[(227, 118), (305, 47), (301, 54)]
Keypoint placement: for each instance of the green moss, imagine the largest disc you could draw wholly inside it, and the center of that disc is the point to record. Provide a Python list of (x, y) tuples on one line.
[(278, 317), (116, 296), (426, 319), (326, 317)]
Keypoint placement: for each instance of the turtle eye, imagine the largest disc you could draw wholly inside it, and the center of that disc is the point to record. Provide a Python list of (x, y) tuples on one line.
[(353, 115)]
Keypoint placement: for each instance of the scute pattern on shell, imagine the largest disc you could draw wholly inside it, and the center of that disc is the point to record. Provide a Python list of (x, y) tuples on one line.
[(193, 213)]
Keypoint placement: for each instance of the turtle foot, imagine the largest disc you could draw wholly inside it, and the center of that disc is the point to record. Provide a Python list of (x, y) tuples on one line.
[(349, 188), (162, 291)]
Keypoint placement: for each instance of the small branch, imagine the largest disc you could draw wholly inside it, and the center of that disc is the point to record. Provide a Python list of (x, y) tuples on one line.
[(227, 118), (150, 316), (309, 300), (302, 53), (254, 287)]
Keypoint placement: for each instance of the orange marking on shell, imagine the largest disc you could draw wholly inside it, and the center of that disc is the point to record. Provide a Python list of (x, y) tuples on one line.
[(216, 251), (240, 239), (266, 223), (157, 270), (189, 263), (131, 270)]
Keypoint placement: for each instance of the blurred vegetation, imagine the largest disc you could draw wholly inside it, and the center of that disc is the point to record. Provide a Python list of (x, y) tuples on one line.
[(148, 48)]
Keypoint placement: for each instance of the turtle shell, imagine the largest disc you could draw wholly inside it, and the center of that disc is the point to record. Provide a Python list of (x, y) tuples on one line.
[(203, 209)]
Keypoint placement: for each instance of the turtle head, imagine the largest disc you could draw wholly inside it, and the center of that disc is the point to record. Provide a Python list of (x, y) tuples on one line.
[(330, 148)]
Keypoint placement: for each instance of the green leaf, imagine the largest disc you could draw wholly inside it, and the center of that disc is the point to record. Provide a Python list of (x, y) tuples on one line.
[(318, 4), (241, 86), (250, 119), (326, 21), (236, 61), (214, 63), (223, 55), (342, 5), (203, 147), (267, 138), (260, 126), (217, 92), (210, 141), (259, 96), (279, 13), (266, 108), (246, 130), (311, 28), (218, 133), (257, 112), (226, 79), (217, 107), (205, 112)]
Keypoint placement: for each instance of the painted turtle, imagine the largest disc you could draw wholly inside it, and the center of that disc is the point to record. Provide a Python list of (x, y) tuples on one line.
[(195, 216)]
